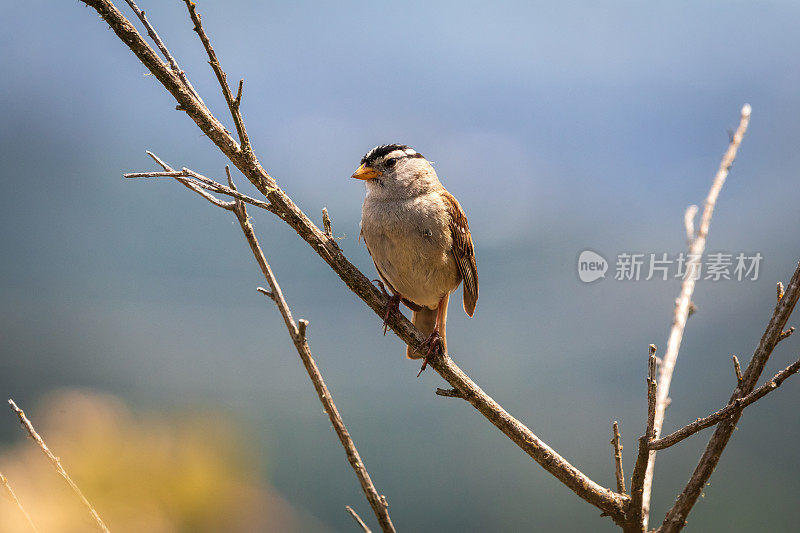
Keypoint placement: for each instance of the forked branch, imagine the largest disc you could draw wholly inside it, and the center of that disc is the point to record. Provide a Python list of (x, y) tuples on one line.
[(297, 330), (619, 506), (675, 519), (683, 306), (325, 246), (734, 407)]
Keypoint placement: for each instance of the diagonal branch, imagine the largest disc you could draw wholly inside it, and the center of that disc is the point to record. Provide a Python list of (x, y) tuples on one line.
[(222, 78), (605, 499), (13, 496), (736, 406), (164, 51), (57, 464), (297, 331), (684, 303), (358, 520), (675, 519)]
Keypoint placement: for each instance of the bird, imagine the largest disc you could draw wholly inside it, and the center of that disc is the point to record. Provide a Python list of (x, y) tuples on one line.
[(418, 237)]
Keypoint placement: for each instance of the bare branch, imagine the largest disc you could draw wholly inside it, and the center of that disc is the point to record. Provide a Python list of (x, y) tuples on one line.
[(738, 369), (675, 519), (298, 335), (786, 334), (161, 46), (56, 463), (15, 500), (358, 519), (736, 406), (615, 442), (682, 310), (222, 78), (636, 517), (605, 499)]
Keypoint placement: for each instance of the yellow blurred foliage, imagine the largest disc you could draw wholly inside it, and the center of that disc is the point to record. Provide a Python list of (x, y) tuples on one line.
[(143, 472)]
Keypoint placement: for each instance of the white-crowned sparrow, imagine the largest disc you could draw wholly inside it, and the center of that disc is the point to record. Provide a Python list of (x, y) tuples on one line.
[(418, 237)]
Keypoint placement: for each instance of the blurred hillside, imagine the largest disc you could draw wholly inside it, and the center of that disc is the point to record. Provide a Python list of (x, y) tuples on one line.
[(141, 471)]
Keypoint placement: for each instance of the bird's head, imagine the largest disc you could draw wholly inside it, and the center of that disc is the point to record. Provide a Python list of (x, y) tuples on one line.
[(395, 169)]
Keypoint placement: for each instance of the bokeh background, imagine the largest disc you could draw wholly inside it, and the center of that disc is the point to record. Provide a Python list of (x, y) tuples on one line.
[(131, 330)]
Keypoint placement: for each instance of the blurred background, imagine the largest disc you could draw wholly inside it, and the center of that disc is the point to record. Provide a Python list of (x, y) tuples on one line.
[(131, 331)]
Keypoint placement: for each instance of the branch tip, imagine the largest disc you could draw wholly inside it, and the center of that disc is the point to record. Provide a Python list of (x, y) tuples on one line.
[(738, 369), (230, 178), (358, 519), (326, 222), (238, 100), (449, 393), (266, 293), (615, 442)]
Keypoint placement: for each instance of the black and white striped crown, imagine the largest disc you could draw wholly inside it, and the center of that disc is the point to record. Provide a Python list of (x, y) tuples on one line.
[(379, 151)]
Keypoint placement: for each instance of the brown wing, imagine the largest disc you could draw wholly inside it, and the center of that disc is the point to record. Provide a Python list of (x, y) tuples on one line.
[(463, 251)]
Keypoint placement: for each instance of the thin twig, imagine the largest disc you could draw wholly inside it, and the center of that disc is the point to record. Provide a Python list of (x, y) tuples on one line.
[(738, 369), (191, 184), (13, 496), (682, 309), (605, 499), (358, 519), (222, 78), (736, 406), (164, 51), (298, 335), (675, 519), (615, 442), (197, 182), (636, 516), (326, 223), (56, 463)]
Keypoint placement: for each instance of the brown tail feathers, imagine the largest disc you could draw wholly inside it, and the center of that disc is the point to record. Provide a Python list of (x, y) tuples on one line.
[(425, 321)]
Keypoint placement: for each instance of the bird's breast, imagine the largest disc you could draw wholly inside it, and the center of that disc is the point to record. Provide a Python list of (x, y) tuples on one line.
[(411, 245)]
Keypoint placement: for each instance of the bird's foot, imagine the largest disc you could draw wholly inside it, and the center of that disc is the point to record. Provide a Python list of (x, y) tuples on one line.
[(392, 305), (434, 345)]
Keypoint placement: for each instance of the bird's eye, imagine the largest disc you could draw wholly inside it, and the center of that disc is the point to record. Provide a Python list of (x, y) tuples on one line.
[(389, 163)]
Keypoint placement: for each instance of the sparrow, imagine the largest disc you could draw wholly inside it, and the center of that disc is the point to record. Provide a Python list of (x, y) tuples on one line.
[(419, 240)]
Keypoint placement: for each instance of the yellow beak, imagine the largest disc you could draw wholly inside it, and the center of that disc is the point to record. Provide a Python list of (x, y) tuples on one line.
[(366, 173)]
